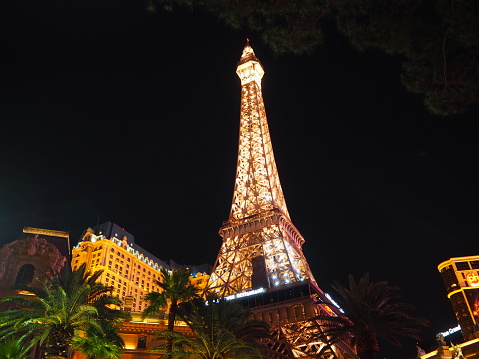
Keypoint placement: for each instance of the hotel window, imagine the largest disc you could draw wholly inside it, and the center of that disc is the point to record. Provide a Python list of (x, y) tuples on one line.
[(462, 265)]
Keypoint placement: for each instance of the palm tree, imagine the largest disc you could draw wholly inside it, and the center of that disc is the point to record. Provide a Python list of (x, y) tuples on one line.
[(58, 311), (14, 348), (106, 344), (221, 330), (371, 311), (175, 288)]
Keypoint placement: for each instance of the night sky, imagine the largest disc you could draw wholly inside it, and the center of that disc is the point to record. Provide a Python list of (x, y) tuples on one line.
[(113, 114)]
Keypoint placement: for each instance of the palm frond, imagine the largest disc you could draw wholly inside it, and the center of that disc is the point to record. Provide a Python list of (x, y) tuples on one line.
[(372, 310)]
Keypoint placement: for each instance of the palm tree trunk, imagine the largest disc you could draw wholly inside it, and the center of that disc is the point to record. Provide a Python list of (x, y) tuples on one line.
[(171, 327), (367, 346), (369, 354), (58, 344)]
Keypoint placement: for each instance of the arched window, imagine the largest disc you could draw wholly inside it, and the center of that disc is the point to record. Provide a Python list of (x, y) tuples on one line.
[(25, 274), (141, 342)]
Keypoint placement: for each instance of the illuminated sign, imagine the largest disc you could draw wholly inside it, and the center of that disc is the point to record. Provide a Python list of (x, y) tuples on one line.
[(335, 304), (451, 331), (473, 279), (245, 294), (45, 232)]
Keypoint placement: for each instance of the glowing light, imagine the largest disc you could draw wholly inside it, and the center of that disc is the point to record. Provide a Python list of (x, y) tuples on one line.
[(259, 224), (329, 310), (46, 232), (473, 279), (451, 331), (245, 294), (431, 354), (335, 304)]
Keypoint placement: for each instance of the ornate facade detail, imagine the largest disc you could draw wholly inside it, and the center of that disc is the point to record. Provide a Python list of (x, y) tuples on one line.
[(33, 251)]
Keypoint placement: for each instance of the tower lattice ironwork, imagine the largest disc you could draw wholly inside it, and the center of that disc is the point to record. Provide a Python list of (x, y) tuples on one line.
[(261, 246), (261, 261)]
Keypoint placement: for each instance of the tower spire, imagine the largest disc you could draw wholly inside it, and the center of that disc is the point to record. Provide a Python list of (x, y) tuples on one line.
[(257, 185)]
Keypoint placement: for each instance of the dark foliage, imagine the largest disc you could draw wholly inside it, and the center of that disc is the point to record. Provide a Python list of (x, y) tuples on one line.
[(437, 40), (372, 310)]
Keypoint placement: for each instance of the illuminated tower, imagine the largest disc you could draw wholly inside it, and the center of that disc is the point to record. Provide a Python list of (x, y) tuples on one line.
[(261, 262)]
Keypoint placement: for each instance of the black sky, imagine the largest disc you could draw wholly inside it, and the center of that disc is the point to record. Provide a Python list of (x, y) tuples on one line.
[(112, 114)]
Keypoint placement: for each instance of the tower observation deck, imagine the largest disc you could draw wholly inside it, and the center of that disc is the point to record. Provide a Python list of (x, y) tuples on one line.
[(261, 262)]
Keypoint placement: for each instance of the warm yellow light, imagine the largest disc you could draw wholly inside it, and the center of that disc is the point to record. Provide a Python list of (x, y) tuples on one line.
[(428, 355), (469, 342), (46, 232), (454, 292), (443, 264)]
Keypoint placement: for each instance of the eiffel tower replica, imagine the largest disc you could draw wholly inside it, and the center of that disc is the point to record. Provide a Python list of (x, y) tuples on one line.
[(261, 263)]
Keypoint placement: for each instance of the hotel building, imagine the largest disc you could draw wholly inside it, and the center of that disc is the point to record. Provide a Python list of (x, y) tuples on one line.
[(128, 268), (131, 271)]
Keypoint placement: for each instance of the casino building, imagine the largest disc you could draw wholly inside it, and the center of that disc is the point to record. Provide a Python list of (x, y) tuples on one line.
[(461, 278)]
